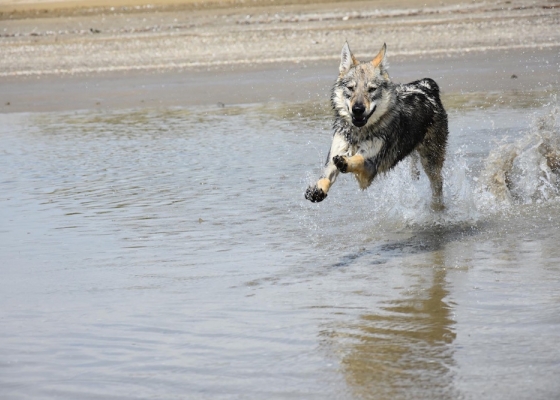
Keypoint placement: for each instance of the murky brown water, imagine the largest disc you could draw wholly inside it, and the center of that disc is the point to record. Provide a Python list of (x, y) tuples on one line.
[(169, 253)]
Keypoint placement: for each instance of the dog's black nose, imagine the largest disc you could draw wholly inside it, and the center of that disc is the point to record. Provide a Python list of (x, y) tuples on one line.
[(358, 109)]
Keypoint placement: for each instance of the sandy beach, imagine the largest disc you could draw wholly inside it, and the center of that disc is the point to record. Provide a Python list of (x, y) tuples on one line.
[(165, 48)]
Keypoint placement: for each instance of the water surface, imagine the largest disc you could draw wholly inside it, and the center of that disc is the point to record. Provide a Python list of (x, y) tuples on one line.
[(169, 253)]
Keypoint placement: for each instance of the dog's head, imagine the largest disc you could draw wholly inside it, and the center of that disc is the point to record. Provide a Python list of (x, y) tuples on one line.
[(360, 93)]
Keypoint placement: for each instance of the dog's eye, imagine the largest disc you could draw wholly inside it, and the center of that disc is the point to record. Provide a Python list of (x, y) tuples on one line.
[(351, 88), (372, 89)]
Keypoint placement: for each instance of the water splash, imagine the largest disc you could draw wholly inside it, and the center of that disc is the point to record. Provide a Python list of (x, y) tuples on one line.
[(399, 196), (526, 171)]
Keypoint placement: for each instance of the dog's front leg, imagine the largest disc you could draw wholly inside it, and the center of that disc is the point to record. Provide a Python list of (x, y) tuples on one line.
[(364, 164), (354, 164), (318, 192), (364, 169)]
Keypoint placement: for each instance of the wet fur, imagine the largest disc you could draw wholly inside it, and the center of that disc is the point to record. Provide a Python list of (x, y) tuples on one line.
[(378, 123)]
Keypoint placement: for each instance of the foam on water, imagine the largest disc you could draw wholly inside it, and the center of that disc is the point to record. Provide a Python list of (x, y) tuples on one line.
[(526, 171), (399, 196)]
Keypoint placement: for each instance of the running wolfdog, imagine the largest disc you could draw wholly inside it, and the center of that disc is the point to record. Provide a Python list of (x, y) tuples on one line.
[(378, 123)]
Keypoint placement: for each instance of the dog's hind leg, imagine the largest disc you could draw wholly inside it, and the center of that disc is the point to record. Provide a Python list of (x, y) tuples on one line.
[(415, 172), (432, 155), (436, 182), (433, 164)]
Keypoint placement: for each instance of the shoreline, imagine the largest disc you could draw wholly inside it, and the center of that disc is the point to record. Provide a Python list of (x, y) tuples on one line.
[(272, 62), (527, 79)]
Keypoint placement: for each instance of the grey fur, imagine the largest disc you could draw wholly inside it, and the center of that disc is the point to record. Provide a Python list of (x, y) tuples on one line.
[(383, 122)]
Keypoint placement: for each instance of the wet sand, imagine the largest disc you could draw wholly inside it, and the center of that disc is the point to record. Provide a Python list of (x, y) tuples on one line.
[(229, 54), (488, 77), (479, 83)]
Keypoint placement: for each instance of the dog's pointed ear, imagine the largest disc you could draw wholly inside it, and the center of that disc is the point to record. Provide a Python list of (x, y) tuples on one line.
[(379, 59), (347, 59)]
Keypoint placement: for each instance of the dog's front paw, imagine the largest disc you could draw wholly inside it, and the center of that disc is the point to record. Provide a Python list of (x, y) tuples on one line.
[(340, 163), (315, 194)]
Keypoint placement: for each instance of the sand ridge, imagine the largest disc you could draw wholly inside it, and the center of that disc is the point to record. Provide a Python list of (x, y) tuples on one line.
[(19, 9), (239, 37)]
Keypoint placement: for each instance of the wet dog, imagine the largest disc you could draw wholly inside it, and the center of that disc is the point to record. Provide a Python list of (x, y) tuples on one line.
[(378, 123)]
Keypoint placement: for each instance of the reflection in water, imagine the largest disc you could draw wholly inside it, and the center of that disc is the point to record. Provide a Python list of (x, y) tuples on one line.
[(403, 350)]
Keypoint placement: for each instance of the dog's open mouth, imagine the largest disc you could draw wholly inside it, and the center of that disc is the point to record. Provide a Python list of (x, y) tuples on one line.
[(362, 120)]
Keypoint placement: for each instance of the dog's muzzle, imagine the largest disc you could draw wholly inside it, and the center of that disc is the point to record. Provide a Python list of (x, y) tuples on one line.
[(358, 117)]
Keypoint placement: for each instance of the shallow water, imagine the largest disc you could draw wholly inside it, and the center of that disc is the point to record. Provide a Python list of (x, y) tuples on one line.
[(169, 253)]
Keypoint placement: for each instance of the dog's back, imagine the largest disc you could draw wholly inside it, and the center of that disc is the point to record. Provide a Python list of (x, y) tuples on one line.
[(416, 121)]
